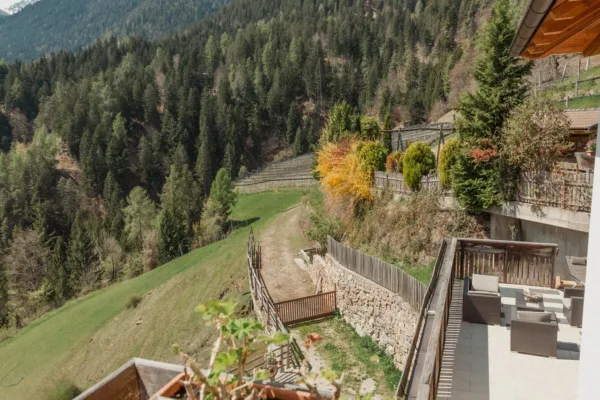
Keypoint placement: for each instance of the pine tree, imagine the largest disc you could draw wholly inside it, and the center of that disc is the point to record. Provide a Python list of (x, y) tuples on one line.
[(293, 121), (81, 258), (175, 223), (500, 78), (300, 142), (222, 191), (139, 213), (116, 152), (206, 140), (113, 203), (4, 310), (151, 102)]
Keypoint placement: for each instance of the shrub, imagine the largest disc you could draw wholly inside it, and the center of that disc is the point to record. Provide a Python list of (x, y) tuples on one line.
[(369, 129), (62, 390), (371, 155), (418, 161), (394, 162), (448, 155), (243, 172), (535, 134), (340, 121), (323, 226), (133, 302)]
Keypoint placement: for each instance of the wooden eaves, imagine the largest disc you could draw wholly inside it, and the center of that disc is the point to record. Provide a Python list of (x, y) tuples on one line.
[(551, 27)]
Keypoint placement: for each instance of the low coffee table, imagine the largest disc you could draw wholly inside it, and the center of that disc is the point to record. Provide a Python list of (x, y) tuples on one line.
[(523, 305)]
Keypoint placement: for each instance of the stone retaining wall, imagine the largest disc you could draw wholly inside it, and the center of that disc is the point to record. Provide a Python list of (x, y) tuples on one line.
[(370, 309)]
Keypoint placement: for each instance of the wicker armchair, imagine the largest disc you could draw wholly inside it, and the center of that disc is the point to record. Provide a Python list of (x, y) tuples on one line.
[(534, 333), (573, 305), (481, 300)]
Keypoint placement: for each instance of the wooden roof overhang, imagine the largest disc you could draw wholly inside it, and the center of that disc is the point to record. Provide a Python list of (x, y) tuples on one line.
[(552, 27)]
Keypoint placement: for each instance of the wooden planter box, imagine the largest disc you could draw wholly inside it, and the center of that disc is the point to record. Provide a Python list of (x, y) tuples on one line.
[(274, 390)]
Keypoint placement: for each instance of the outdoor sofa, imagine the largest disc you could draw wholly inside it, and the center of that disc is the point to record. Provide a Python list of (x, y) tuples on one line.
[(573, 305), (481, 300), (534, 332)]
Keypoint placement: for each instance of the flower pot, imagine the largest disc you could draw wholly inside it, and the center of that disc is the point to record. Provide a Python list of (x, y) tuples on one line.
[(591, 153)]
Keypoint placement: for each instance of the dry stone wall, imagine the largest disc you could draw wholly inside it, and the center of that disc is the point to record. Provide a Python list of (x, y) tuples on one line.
[(370, 309)]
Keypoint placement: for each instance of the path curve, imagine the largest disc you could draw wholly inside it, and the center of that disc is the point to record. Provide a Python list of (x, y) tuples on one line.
[(280, 244)]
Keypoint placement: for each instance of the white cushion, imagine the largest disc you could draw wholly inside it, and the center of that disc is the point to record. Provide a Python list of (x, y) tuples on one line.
[(484, 293), (579, 260), (567, 303), (485, 283), (534, 316)]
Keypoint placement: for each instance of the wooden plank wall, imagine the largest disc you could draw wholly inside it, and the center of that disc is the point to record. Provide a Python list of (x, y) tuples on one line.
[(384, 274), (519, 263)]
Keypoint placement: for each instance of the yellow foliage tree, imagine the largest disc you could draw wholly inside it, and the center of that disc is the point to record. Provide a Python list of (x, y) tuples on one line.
[(342, 172)]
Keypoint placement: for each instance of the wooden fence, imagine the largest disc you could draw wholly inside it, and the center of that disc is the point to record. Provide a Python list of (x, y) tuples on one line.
[(570, 190), (521, 263), (514, 262), (307, 308), (384, 274), (395, 183), (263, 302)]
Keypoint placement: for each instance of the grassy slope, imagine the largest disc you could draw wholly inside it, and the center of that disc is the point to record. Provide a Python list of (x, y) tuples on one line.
[(89, 337)]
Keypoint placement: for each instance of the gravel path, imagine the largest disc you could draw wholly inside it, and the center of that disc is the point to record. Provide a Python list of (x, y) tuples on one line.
[(280, 244)]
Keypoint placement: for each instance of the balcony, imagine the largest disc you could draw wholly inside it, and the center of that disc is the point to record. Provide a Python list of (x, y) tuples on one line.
[(456, 359)]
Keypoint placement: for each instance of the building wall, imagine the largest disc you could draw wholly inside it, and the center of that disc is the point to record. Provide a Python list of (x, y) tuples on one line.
[(370, 309), (570, 242)]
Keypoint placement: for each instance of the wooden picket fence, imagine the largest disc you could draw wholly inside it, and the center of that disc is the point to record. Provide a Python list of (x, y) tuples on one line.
[(384, 274), (570, 190), (395, 182), (307, 308)]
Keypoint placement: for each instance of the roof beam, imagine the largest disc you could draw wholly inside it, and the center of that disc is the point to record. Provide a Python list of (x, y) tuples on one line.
[(593, 48)]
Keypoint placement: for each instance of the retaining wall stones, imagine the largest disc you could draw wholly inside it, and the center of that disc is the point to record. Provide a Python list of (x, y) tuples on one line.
[(370, 309)]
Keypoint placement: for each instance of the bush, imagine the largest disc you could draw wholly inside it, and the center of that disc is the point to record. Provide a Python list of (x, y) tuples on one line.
[(394, 162), (62, 390), (243, 172), (323, 226), (535, 135), (133, 302), (369, 129), (448, 156), (371, 155), (418, 161)]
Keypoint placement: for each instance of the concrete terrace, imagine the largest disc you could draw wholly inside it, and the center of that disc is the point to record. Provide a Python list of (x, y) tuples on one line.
[(478, 364)]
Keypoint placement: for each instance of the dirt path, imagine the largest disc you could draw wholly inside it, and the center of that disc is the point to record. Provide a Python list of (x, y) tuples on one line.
[(280, 243)]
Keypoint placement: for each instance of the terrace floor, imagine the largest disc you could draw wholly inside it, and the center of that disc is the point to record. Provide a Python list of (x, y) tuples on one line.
[(478, 364)]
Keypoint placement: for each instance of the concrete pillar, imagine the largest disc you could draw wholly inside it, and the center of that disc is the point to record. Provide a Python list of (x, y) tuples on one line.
[(589, 383)]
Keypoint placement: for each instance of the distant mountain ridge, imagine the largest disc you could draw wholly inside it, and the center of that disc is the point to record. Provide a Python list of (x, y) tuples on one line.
[(53, 25), (16, 7)]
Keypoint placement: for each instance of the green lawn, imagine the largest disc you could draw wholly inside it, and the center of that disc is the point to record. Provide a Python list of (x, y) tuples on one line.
[(584, 102), (89, 337), (360, 358)]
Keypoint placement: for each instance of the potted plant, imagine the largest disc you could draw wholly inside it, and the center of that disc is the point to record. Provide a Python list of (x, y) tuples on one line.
[(238, 339), (590, 147)]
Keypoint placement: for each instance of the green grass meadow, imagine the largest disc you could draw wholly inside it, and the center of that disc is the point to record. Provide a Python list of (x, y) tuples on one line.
[(89, 337)]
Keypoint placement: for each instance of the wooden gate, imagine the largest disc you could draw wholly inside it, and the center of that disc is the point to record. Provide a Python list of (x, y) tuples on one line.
[(307, 308)]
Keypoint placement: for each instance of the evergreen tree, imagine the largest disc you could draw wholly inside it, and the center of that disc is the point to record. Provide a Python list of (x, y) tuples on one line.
[(206, 140), (293, 121), (300, 142), (4, 310), (116, 152), (151, 102), (222, 191), (113, 203), (81, 258), (140, 213), (175, 224), (500, 78)]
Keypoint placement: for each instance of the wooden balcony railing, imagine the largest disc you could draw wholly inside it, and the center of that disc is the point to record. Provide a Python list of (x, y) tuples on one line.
[(513, 262)]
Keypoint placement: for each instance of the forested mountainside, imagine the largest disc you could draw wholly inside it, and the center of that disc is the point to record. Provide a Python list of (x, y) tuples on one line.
[(53, 25), (140, 129)]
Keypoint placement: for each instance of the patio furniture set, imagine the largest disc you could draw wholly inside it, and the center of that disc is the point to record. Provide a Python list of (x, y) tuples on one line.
[(532, 329)]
